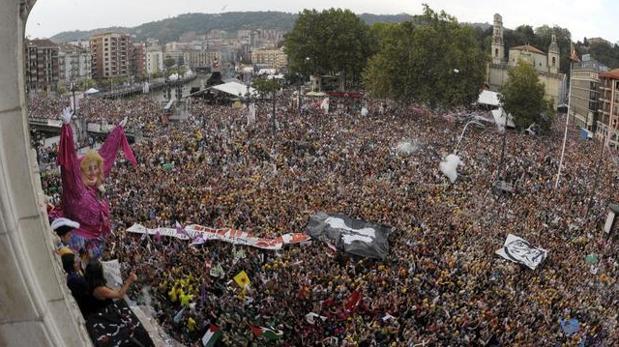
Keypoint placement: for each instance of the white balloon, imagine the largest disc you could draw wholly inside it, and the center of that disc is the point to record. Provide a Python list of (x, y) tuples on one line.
[(449, 167)]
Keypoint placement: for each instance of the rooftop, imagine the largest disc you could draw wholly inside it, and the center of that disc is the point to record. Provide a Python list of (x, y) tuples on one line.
[(528, 48), (42, 43), (612, 74)]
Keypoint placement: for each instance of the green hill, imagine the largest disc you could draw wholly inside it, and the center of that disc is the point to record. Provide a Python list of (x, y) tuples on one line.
[(170, 29)]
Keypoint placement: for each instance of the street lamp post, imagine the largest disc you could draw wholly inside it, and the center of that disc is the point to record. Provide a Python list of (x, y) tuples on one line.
[(567, 119), (504, 140), (475, 122), (73, 95), (301, 80), (273, 122)]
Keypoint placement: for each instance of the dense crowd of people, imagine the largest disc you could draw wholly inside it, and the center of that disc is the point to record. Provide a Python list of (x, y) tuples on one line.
[(442, 283)]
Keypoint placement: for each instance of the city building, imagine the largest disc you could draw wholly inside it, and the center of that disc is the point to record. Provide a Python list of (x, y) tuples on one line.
[(270, 58), (42, 67), (110, 55), (269, 38), (547, 65), (584, 92), (177, 55), (197, 59), (608, 107), (247, 37), (154, 60), (80, 43), (74, 63), (138, 59)]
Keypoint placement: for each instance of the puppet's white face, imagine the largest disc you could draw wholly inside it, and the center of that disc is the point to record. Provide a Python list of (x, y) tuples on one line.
[(91, 173)]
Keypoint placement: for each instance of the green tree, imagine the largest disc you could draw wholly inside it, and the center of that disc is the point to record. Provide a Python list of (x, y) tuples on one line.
[(526, 33), (437, 62), (523, 97), (169, 62), (333, 41), (87, 84)]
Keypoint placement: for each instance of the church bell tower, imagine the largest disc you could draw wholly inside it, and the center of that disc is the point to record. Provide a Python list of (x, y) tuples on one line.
[(553, 55), (498, 47)]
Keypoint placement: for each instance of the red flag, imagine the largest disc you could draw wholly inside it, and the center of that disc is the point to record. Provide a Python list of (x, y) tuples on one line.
[(353, 301), (256, 330)]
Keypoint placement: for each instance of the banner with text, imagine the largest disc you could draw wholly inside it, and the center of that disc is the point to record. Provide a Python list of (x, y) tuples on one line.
[(200, 234)]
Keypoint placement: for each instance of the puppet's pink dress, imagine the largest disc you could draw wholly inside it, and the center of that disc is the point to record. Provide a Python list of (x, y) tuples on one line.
[(85, 204)]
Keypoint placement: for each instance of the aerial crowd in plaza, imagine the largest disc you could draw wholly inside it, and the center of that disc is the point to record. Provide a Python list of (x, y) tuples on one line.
[(441, 284)]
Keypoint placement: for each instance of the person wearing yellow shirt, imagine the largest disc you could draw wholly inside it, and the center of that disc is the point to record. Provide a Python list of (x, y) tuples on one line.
[(185, 299), (191, 324), (173, 294)]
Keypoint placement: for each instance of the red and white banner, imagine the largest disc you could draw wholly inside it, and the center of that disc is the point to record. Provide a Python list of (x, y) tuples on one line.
[(200, 234)]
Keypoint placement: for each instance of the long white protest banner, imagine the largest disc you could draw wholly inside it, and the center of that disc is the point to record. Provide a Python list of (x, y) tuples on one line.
[(199, 234)]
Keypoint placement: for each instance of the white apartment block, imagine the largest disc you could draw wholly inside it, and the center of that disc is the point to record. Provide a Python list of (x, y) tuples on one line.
[(154, 61), (74, 63)]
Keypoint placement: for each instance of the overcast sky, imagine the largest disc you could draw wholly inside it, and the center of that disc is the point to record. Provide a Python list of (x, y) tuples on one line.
[(592, 18)]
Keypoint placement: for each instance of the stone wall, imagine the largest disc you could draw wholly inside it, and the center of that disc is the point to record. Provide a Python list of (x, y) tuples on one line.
[(498, 76), (36, 308)]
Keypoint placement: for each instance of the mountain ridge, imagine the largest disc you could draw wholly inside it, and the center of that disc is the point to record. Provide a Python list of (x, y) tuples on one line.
[(170, 29)]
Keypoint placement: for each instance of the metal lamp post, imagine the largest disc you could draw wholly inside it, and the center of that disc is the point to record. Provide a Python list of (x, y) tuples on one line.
[(273, 122), (73, 95), (301, 80), (567, 119), (475, 122)]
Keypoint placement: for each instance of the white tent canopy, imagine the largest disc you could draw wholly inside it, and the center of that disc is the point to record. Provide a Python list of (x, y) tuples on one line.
[(499, 118), (315, 94), (267, 72), (277, 77), (91, 91), (234, 88), (487, 97)]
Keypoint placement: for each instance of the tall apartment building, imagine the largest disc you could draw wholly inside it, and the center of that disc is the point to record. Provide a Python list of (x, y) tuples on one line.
[(154, 60), (271, 58), (74, 63), (110, 55), (584, 98), (268, 38), (42, 68), (608, 107), (197, 59), (137, 64)]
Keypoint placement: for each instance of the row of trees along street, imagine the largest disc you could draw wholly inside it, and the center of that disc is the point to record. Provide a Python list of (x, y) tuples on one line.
[(431, 60)]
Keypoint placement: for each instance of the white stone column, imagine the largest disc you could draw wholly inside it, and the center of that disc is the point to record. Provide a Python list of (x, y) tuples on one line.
[(36, 307)]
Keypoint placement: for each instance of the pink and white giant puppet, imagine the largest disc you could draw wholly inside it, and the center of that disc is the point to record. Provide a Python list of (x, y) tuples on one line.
[(83, 197)]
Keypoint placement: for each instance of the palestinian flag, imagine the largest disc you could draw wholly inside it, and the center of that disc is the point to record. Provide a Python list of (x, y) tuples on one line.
[(269, 334), (212, 335)]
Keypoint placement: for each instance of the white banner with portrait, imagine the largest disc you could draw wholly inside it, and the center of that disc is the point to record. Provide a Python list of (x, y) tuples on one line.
[(520, 251)]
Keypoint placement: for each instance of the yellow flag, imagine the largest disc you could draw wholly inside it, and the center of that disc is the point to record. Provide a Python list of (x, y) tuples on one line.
[(242, 280)]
